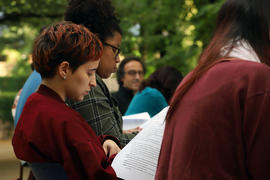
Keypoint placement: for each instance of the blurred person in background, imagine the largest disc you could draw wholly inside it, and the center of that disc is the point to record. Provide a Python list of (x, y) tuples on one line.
[(130, 74), (155, 92)]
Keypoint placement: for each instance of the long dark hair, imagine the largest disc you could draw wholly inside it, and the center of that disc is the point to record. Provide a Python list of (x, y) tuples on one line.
[(237, 20), (165, 79)]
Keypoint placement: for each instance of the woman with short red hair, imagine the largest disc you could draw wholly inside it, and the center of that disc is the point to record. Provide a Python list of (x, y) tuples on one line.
[(55, 139)]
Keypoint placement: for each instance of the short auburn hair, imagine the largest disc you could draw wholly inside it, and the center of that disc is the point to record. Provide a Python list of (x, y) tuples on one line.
[(64, 41)]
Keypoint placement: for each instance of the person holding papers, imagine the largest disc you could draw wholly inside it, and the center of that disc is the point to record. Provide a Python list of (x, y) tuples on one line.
[(49, 133), (155, 92), (98, 107), (218, 124)]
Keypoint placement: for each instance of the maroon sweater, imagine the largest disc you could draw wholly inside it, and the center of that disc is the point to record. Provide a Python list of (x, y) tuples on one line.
[(221, 128), (49, 131)]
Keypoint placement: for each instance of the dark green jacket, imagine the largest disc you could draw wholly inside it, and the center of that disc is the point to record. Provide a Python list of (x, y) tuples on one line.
[(101, 112)]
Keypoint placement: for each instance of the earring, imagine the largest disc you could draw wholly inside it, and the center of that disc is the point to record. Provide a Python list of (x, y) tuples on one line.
[(64, 77)]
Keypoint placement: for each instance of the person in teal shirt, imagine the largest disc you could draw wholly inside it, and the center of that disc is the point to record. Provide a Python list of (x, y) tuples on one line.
[(155, 92)]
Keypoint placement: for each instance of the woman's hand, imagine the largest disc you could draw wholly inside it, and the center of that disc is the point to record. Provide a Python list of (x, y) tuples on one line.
[(129, 131), (110, 147)]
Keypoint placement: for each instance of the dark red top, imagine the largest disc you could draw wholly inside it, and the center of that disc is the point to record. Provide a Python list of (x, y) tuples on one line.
[(49, 131), (221, 128)]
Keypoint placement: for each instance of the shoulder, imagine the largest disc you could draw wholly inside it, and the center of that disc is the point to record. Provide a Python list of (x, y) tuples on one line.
[(235, 70), (243, 67), (33, 80), (151, 91), (100, 89), (35, 75), (123, 93), (240, 75), (31, 84), (116, 94), (148, 92), (49, 106), (99, 80)]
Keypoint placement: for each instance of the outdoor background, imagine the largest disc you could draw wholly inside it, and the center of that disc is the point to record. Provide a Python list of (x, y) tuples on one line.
[(161, 32)]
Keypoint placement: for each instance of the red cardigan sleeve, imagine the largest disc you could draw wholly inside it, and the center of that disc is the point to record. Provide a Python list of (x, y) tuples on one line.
[(87, 150), (257, 137)]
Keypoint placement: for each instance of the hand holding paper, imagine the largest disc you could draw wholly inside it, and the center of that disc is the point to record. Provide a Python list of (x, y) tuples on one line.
[(129, 131), (135, 120), (138, 160)]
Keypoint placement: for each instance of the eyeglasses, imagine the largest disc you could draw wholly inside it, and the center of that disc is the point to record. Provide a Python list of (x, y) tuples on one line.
[(115, 49), (133, 73)]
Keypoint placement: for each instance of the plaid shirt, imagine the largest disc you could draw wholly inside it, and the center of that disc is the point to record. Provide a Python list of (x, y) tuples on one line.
[(101, 112)]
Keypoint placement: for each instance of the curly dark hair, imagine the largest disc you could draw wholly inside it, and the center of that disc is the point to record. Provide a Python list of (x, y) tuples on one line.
[(64, 41), (165, 79), (120, 71), (97, 15)]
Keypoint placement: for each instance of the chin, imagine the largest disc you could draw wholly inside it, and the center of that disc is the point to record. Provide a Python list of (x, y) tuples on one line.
[(105, 76), (135, 88), (78, 99)]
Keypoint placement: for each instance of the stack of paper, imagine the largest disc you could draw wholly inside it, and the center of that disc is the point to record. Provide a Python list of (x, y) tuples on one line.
[(138, 159), (135, 120)]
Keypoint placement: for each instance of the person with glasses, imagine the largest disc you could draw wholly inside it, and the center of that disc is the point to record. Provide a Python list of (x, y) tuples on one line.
[(99, 108), (155, 92), (130, 74), (53, 138), (116, 50)]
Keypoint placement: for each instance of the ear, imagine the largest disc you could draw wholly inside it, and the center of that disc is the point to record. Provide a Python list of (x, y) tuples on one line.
[(63, 69)]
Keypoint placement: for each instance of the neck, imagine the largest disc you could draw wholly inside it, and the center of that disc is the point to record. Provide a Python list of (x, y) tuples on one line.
[(134, 92), (130, 90), (56, 85)]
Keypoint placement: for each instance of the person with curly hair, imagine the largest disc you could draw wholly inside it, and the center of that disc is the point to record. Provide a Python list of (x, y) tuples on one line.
[(99, 108), (53, 138)]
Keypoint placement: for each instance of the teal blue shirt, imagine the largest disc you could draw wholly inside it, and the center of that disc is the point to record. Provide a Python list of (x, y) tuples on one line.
[(148, 100)]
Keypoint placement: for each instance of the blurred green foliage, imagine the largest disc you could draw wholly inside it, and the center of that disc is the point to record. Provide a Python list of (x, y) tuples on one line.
[(8, 90), (162, 32), (171, 32)]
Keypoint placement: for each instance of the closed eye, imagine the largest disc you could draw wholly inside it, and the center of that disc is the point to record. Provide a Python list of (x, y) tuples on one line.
[(91, 72)]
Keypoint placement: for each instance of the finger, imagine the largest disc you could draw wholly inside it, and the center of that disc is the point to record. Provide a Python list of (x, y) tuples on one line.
[(105, 149), (139, 128), (114, 150)]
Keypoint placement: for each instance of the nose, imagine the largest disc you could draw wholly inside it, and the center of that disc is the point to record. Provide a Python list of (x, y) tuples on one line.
[(137, 76), (92, 82), (117, 60)]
